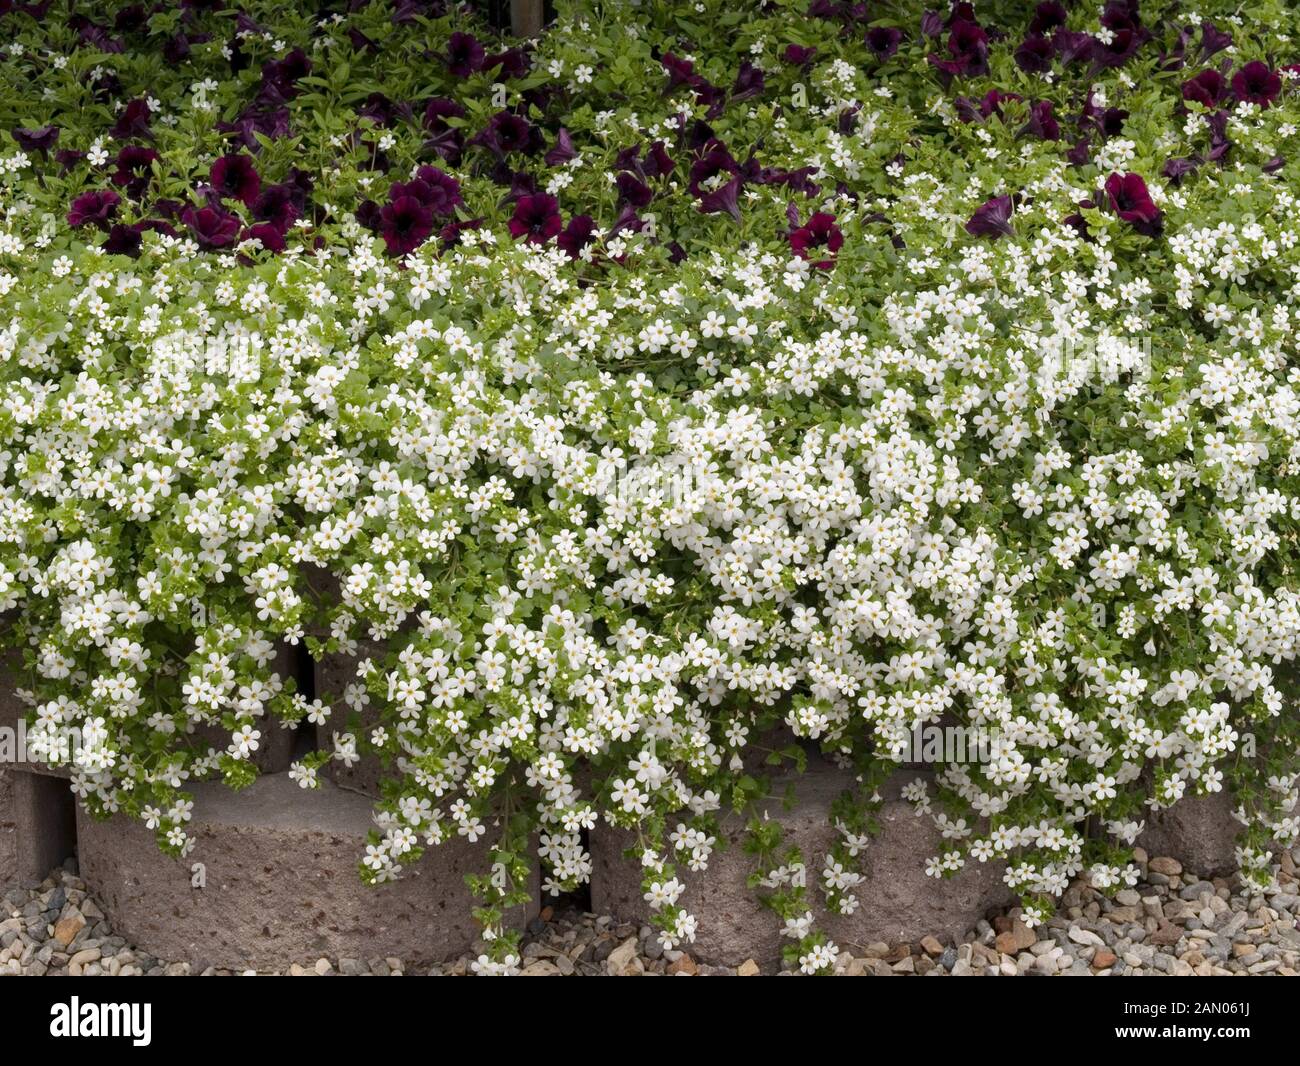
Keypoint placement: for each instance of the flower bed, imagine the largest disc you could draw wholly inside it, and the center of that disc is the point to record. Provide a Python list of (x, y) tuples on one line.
[(633, 395)]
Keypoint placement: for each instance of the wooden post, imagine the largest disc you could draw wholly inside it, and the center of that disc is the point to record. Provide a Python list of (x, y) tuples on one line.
[(526, 17)]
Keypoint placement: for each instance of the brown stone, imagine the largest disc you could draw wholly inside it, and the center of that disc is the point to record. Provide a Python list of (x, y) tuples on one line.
[(1166, 933), (281, 883), (897, 901), (1103, 959), (684, 965), (931, 947), (66, 929), (1019, 937), (748, 968), (1164, 864)]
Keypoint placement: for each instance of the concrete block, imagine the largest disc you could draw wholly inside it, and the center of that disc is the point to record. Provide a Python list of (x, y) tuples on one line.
[(282, 886), (37, 830), (898, 902), (334, 673), (1199, 831)]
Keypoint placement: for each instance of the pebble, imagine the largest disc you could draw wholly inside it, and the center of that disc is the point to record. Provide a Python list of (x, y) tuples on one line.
[(1171, 923)]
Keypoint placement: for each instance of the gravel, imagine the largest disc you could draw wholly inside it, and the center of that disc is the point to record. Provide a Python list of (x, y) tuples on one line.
[(1172, 923)]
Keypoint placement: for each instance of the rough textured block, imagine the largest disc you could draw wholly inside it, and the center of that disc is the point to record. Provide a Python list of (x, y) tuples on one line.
[(276, 745), (334, 673), (1199, 831), (273, 755), (282, 885), (897, 901), (13, 711), (36, 826)]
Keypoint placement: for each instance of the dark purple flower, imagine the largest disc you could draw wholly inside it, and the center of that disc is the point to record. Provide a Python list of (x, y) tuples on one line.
[(563, 151), (1072, 45), (212, 227), (507, 132), (1118, 50), (438, 110), (133, 122), (1207, 89), (37, 140), (269, 236), (883, 42), (276, 204), (1035, 54), (680, 71), (513, 62), (1255, 83), (798, 55), (536, 218), (820, 231), (658, 163), (717, 160), (1213, 40), (123, 240), (405, 224), (1047, 17), (1130, 200), (1177, 169), (968, 50), (234, 177), (1042, 123), (464, 55), (749, 82), (1121, 15), (632, 190), (725, 198), (577, 235), (367, 213), (93, 208), (134, 167), (443, 195), (991, 219)]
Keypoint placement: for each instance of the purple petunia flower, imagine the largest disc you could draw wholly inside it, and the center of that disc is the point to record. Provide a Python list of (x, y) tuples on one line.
[(133, 122), (883, 42), (464, 55), (93, 208), (1207, 89), (992, 218), (536, 218), (1035, 55), (1255, 83), (1048, 16), (1213, 40), (37, 140), (725, 198), (632, 190), (1130, 200), (798, 55), (580, 232), (1042, 123), (405, 224), (270, 237), (234, 177), (563, 151), (277, 204), (212, 227), (968, 50), (134, 167), (123, 240), (820, 231), (507, 133)]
